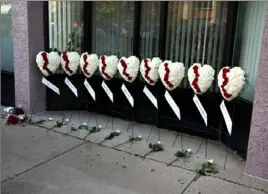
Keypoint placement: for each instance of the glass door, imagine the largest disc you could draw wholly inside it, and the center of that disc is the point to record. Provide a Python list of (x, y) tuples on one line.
[(7, 69)]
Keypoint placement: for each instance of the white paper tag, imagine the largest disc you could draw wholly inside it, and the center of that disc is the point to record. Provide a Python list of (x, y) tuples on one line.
[(108, 91), (50, 85), (128, 95), (90, 90), (151, 97), (173, 105), (71, 86), (201, 109), (226, 117)]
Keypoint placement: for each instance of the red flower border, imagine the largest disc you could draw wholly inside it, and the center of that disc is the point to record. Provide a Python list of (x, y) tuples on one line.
[(195, 81), (166, 77), (44, 56), (65, 58), (85, 65), (224, 83), (147, 70), (124, 65), (104, 67)]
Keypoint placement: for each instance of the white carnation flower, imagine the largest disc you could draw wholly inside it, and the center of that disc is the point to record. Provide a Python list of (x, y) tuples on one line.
[(70, 65), (211, 161), (89, 64)]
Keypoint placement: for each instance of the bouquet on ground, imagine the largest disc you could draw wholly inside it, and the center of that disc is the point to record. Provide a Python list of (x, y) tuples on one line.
[(15, 115)]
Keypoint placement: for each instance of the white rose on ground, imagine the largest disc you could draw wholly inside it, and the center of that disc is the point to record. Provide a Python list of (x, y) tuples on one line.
[(211, 161)]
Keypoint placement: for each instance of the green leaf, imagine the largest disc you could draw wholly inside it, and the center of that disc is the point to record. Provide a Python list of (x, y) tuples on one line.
[(94, 130), (112, 135), (132, 139), (40, 121), (156, 147), (182, 154), (73, 128), (205, 168)]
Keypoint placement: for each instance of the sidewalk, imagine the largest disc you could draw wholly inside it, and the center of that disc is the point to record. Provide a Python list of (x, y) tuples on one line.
[(43, 159)]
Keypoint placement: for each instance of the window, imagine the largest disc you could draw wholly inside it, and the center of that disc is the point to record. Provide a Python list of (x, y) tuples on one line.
[(6, 36), (150, 28), (66, 25), (194, 36), (113, 25), (248, 39), (195, 31)]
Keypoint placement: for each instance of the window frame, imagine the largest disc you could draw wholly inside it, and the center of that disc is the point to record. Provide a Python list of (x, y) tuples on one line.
[(88, 35)]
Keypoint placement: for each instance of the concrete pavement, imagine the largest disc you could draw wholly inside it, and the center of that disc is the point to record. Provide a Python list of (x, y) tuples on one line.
[(41, 159)]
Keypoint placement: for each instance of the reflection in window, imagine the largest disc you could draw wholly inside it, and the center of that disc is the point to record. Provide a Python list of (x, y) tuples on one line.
[(248, 39), (149, 30), (195, 34), (66, 25), (6, 36), (113, 24)]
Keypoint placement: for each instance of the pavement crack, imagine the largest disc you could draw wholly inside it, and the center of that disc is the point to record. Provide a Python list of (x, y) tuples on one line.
[(136, 155), (193, 180), (121, 144), (236, 183), (44, 162)]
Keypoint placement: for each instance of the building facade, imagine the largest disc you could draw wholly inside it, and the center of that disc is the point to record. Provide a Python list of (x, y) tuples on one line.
[(216, 33)]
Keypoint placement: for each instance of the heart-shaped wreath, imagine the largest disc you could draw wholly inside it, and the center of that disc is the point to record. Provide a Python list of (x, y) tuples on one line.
[(149, 70), (231, 81), (171, 74), (70, 62), (129, 68), (108, 66), (89, 64), (200, 77), (48, 63)]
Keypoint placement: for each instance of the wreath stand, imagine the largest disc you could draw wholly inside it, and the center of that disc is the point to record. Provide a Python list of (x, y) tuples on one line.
[(226, 134), (157, 85), (205, 138), (132, 93), (178, 134), (48, 85)]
